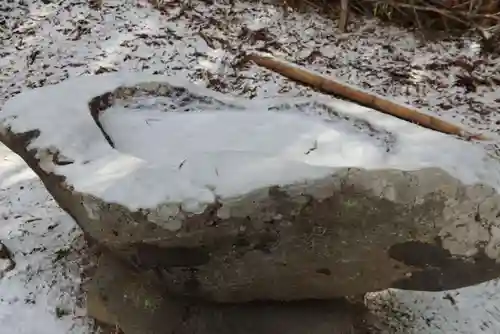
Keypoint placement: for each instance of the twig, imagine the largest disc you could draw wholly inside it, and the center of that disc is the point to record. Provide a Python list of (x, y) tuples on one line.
[(344, 15), (420, 13)]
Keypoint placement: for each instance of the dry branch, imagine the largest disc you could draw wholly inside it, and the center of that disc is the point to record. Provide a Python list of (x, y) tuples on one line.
[(450, 15), (366, 99), (344, 15)]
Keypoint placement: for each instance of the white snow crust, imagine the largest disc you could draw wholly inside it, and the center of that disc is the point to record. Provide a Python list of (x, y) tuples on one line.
[(191, 157)]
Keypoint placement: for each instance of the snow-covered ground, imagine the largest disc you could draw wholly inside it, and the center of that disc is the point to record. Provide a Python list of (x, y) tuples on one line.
[(45, 42), (38, 295)]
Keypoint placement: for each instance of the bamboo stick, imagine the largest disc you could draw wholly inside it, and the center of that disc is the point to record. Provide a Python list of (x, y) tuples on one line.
[(366, 99)]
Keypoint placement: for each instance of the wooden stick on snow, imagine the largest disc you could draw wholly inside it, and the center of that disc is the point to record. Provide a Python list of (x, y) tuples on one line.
[(364, 98)]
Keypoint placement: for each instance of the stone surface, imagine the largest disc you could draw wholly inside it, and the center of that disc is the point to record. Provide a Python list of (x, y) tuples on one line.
[(415, 210), (133, 302), (6, 260)]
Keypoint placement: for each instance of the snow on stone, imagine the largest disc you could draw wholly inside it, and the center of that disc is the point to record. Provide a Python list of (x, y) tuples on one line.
[(248, 145)]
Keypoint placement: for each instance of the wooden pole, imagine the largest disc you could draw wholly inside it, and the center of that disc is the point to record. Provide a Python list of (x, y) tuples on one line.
[(366, 99)]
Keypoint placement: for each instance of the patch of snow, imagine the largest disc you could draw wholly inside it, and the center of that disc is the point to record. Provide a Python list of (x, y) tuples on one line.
[(40, 294), (470, 310)]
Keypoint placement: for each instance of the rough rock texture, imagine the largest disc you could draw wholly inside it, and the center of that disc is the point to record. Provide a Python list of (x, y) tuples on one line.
[(119, 297), (425, 222), (6, 260)]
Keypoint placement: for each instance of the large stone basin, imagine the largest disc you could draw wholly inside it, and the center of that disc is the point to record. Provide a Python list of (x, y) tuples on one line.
[(234, 200)]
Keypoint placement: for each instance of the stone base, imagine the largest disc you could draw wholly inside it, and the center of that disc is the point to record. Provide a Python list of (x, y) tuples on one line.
[(118, 296)]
